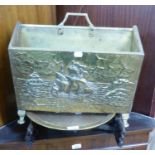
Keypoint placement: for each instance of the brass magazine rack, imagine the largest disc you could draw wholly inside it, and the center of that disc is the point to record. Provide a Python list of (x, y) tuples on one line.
[(69, 73)]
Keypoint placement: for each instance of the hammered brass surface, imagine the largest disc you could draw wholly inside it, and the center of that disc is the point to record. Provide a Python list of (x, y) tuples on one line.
[(49, 77), (69, 121)]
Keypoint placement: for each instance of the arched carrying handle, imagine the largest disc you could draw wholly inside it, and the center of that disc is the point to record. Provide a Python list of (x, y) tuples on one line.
[(91, 26), (77, 14)]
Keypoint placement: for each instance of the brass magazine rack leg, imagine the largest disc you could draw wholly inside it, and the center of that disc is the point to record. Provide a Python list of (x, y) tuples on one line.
[(21, 114)]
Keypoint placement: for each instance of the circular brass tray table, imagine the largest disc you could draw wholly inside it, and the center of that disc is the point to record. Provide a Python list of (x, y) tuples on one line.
[(62, 121)]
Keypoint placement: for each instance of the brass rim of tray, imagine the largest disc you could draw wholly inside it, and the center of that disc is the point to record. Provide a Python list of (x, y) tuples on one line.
[(63, 121)]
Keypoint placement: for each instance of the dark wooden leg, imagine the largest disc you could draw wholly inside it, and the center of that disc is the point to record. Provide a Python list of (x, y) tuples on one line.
[(119, 129), (29, 137)]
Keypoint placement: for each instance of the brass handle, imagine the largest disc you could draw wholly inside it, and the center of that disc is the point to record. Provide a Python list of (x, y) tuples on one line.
[(60, 31), (77, 14)]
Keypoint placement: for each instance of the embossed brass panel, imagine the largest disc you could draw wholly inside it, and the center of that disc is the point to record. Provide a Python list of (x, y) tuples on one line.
[(75, 69)]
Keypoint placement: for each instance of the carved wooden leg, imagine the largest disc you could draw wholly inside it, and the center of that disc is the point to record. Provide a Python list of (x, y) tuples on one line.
[(21, 114), (29, 137), (119, 129)]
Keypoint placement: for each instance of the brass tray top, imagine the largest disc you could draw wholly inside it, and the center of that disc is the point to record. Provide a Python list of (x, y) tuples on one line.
[(69, 121)]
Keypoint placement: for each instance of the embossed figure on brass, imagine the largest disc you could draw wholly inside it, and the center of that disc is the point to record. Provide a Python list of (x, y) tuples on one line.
[(75, 69)]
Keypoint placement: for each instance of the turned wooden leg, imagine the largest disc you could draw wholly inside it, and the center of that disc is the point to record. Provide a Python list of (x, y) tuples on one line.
[(29, 137), (119, 129)]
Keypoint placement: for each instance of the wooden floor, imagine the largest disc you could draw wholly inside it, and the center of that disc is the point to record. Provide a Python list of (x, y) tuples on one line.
[(12, 136)]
